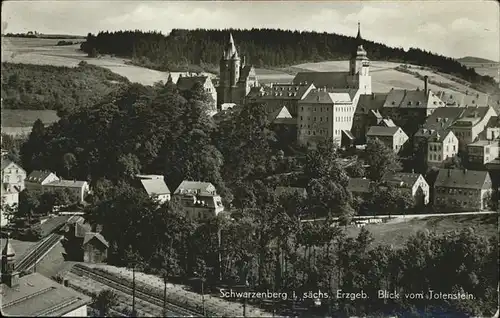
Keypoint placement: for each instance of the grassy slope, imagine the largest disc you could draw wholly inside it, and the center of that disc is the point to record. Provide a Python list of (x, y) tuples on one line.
[(396, 233), (26, 118)]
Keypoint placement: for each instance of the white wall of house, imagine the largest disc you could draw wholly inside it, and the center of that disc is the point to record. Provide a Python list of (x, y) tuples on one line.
[(78, 312)]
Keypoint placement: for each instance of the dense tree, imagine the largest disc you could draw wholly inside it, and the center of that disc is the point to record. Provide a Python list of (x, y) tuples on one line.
[(380, 159), (104, 301), (262, 47)]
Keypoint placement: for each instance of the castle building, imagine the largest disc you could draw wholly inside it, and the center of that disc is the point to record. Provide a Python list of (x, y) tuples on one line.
[(236, 78)]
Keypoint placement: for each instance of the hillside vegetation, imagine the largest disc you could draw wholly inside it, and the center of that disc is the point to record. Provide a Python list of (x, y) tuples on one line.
[(262, 47), (38, 87)]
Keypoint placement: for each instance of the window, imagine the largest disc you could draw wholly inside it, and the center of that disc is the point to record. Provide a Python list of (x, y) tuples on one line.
[(314, 118), (454, 147), (439, 157), (19, 179), (301, 118), (302, 108), (321, 119)]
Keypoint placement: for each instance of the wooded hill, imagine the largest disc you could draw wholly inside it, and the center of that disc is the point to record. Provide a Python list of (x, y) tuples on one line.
[(262, 47), (29, 86)]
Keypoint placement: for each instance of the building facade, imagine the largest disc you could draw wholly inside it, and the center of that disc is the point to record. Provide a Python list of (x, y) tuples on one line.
[(462, 190), (393, 137), (199, 199), (441, 146), (37, 179), (13, 175), (412, 183), (95, 248), (154, 186), (78, 189), (471, 123), (482, 152), (323, 115)]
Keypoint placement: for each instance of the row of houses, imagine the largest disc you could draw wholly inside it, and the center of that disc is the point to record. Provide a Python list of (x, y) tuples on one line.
[(454, 190)]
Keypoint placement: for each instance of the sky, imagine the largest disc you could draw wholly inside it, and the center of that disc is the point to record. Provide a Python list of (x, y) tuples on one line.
[(448, 27)]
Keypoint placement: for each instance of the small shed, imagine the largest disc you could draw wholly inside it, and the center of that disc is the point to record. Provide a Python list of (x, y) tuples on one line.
[(95, 248)]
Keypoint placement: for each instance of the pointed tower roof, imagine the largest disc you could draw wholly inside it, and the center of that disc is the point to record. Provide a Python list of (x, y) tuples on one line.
[(8, 251), (230, 51), (358, 37)]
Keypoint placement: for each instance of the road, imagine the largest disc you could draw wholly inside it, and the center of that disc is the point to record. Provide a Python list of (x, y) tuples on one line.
[(405, 217)]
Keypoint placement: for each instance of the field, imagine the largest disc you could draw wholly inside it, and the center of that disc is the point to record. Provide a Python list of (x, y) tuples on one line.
[(46, 52), (385, 76), (14, 118), (396, 232)]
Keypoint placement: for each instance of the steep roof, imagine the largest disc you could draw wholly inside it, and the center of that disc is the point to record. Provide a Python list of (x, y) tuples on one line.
[(382, 131), (401, 179), (359, 185), (439, 135), (154, 186), (370, 102), (466, 179), (412, 99), (67, 184), (89, 236), (195, 186), (38, 176), (323, 79), (443, 117), (187, 82), (6, 162), (321, 96), (282, 91), (472, 114), (38, 296), (247, 71)]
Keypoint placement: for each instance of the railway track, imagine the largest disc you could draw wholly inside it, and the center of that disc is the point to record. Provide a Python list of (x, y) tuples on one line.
[(29, 260), (124, 288)]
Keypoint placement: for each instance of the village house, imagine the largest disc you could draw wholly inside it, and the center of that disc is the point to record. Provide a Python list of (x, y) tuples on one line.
[(471, 123), (199, 199), (441, 147), (367, 114), (462, 190), (492, 129), (360, 186), (13, 182), (393, 137), (186, 83), (412, 183), (78, 189), (410, 108), (34, 295), (236, 78), (74, 234), (13, 175), (95, 248), (282, 117), (37, 179), (482, 152), (154, 186)]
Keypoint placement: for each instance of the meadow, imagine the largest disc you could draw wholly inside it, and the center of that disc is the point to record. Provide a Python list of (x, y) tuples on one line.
[(14, 118), (397, 232)]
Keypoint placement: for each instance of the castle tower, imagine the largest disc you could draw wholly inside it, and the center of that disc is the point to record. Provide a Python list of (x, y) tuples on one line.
[(230, 67), (9, 276), (359, 65)]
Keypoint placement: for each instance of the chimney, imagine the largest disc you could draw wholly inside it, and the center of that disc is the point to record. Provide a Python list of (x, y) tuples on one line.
[(426, 82), (243, 61), (465, 170)]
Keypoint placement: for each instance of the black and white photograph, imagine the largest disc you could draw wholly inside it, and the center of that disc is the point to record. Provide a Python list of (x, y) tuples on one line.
[(302, 159)]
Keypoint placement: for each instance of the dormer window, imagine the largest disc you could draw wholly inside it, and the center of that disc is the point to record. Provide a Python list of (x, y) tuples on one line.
[(409, 103), (418, 103), (393, 103), (434, 103)]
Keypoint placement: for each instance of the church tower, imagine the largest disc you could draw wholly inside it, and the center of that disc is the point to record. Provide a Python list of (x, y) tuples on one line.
[(359, 66), (229, 74), (9, 276)]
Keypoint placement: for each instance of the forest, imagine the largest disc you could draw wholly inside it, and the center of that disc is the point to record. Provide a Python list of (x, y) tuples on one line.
[(183, 49), (160, 130), (30, 86)]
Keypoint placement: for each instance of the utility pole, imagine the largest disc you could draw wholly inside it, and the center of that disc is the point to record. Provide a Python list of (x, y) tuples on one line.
[(164, 295), (133, 291), (203, 296)]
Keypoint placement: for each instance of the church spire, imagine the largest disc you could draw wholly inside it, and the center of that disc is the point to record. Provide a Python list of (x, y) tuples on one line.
[(230, 52), (358, 37)]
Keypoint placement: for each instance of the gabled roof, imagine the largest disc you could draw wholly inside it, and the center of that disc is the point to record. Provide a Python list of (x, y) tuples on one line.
[(494, 122), (187, 82), (412, 99), (81, 229), (38, 176), (323, 79), (439, 135), (154, 186), (442, 117), (290, 190), (195, 187), (359, 185), (6, 162), (89, 236), (38, 296), (370, 102), (401, 179), (472, 115), (466, 179), (382, 131), (67, 184)]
